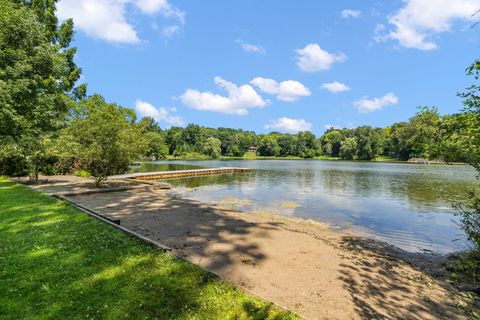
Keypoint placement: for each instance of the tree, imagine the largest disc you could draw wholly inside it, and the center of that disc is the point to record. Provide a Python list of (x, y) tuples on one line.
[(212, 148), (228, 141), (173, 139), (156, 146), (245, 139), (37, 78), (331, 141), (150, 125), (462, 140), (268, 146), (193, 137), (288, 145), (104, 138), (307, 144), (400, 134), (369, 142), (419, 137), (348, 149), (425, 132)]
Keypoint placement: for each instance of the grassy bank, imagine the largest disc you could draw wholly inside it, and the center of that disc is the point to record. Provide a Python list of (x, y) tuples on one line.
[(59, 263), (252, 157)]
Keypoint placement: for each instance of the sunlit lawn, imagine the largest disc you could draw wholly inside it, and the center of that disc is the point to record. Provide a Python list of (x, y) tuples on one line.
[(59, 263)]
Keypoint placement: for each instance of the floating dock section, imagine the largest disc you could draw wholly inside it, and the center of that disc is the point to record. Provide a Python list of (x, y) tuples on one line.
[(163, 175)]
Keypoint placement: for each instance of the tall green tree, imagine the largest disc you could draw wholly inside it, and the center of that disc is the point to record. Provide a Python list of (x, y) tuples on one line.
[(462, 141), (348, 149), (268, 146), (102, 137), (193, 138), (288, 145), (331, 141), (212, 148), (307, 146), (37, 79), (419, 137), (369, 142), (173, 139), (157, 148), (425, 133)]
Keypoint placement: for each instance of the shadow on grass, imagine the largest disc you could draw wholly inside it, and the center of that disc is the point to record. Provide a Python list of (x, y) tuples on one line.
[(211, 238), (58, 263)]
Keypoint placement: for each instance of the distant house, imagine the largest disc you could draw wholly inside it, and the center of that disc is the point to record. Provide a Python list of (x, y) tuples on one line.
[(419, 160), (252, 150)]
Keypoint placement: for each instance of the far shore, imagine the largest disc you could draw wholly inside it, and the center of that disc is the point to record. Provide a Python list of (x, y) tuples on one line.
[(305, 266), (320, 158)]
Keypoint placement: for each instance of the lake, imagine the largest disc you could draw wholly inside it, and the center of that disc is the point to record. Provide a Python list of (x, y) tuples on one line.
[(407, 205)]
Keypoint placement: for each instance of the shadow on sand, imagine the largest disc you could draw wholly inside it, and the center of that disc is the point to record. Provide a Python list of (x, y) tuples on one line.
[(386, 282), (177, 223)]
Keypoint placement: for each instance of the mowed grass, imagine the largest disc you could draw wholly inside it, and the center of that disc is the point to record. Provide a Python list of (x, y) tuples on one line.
[(58, 263)]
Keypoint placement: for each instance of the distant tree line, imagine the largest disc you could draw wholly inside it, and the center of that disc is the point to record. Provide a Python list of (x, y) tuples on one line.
[(419, 137)]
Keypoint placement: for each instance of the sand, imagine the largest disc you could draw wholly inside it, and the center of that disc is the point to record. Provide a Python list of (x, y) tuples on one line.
[(305, 266)]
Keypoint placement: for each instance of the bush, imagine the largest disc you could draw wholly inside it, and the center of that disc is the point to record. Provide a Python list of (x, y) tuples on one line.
[(190, 156), (466, 267), (13, 166), (82, 173), (102, 137)]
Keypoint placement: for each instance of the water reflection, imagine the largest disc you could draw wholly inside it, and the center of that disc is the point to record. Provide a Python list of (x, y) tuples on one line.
[(407, 205), (157, 166)]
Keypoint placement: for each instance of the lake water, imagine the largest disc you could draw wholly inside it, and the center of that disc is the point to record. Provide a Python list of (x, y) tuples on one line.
[(407, 205)]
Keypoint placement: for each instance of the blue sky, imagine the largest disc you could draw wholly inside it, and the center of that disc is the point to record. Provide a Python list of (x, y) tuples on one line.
[(276, 65)]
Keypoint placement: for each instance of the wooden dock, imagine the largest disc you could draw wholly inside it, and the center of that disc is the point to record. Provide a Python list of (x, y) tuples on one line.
[(163, 175)]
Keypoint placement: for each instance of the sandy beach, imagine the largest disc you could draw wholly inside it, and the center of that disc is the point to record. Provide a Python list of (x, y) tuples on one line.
[(305, 266)]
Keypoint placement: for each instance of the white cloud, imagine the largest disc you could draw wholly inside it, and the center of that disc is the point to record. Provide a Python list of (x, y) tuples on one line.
[(335, 87), (313, 58), (347, 13), (289, 90), (251, 48), (170, 31), (238, 101), (145, 109), (366, 105), (289, 125), (379, 33), (106, 20), (419, 20), (159, 6)]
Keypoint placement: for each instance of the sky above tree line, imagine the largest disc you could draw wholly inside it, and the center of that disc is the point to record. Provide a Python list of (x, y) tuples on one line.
[(270, 65)]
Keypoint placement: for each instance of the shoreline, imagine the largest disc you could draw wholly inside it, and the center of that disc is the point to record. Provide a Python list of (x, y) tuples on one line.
[(303, 265), (264, 158)]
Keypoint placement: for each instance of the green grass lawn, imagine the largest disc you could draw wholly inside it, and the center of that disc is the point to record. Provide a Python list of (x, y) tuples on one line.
[(58, 263), (386, 159)]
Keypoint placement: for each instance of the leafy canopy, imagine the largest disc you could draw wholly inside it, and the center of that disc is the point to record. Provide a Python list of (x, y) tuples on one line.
[(102, 137), (37, 78)]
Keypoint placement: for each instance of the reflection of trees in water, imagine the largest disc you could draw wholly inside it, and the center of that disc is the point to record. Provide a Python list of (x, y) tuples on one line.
[(359, 183), (424, 191), (221, 179), (152, 167), (295, 180), (266, 179)]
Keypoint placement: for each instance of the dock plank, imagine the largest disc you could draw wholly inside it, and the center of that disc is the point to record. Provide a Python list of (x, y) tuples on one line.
[(179, 173)]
